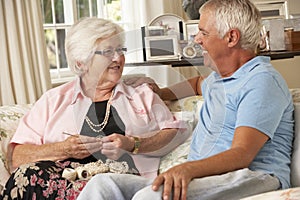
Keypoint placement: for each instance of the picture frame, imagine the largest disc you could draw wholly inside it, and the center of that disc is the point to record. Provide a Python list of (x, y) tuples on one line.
[(159, 48), (154, 31), (191, 29), (172, 24), (272, 8)]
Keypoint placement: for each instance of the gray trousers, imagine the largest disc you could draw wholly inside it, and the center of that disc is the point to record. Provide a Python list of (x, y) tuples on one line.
[(233, 185)]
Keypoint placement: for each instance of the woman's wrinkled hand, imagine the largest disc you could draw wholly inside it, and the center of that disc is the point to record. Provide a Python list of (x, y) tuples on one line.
[(115, 145), (79, 146)]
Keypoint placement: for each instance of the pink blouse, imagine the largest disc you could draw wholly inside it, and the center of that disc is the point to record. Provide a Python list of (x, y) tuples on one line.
[(64, 108)]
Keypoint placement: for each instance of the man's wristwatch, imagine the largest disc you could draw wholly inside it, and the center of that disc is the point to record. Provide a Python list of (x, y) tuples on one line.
[(137, 144)]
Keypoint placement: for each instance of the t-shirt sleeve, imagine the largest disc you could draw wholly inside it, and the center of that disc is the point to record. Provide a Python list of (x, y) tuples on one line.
[(261, 104)]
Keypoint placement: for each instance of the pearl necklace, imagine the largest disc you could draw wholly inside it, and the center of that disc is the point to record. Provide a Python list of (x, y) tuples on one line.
[(101, 126)]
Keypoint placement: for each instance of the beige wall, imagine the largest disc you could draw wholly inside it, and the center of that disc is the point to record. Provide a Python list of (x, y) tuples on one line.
[(294, 6), (160, 7), (290, 70)]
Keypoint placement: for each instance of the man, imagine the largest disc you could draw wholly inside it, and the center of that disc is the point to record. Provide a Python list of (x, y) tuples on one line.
[(242, 143)]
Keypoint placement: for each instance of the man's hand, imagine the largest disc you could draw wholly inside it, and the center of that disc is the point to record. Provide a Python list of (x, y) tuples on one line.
[(137, 81), (177, 179)]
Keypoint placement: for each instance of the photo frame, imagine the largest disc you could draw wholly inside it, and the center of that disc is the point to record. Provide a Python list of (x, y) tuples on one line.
[(273, 9), (191, 29), (172, 24), (154, 31), (159, 48)]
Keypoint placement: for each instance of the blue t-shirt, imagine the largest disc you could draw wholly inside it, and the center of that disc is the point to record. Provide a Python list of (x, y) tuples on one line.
[(256, 96)]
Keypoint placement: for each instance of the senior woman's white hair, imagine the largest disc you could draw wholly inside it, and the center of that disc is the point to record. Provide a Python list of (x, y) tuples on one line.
[(82, 37), (239, 14)]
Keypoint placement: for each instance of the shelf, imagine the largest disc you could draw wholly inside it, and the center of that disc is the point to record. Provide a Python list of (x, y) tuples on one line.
[(174, 63), (275, 55)]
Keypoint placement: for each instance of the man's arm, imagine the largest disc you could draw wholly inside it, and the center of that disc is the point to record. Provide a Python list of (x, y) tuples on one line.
[(183, 89), (246, 144), (180, 90)]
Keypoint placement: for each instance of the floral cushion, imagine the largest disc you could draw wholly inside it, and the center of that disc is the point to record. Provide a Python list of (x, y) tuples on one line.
[(9, 119)]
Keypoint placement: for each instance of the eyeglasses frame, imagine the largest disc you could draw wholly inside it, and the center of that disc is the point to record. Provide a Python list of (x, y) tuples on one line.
[(120, 51)]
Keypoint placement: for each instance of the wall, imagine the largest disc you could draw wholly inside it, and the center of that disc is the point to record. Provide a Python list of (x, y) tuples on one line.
[(160, 7), (294, 6), (290, 70)]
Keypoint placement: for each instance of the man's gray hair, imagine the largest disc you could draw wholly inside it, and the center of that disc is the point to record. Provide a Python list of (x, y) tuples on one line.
[(239, 14)]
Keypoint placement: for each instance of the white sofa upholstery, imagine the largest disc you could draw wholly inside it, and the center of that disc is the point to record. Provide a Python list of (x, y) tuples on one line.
[(186, 109), (295, 168)]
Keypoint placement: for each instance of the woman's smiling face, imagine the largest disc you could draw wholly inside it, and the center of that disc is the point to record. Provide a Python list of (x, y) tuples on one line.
[(109, 64)]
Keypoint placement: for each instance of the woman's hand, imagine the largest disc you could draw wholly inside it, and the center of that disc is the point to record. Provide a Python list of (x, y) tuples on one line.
[(75, 146), (137, 81), (115, 145), (79, 146)]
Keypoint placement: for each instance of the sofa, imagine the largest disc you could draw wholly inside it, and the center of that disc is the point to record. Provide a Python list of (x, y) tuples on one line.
[(186, 109)]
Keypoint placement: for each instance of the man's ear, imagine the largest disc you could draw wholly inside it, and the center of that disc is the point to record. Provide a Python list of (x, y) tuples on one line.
[(233, 37)]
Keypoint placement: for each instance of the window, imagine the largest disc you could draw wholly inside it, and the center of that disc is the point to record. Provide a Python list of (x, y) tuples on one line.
[(59, 15)]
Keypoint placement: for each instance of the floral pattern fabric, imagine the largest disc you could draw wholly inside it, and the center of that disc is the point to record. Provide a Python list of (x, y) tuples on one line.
[(9, 119), (42, 180)]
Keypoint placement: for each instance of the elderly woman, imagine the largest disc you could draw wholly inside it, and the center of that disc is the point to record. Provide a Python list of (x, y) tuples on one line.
[(92, 119)]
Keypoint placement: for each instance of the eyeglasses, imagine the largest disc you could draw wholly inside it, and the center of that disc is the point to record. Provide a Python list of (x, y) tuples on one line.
[(111, 52)]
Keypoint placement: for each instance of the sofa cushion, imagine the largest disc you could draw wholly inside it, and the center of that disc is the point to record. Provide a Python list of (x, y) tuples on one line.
[(9, 119), (186, 109), (295, 167)]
